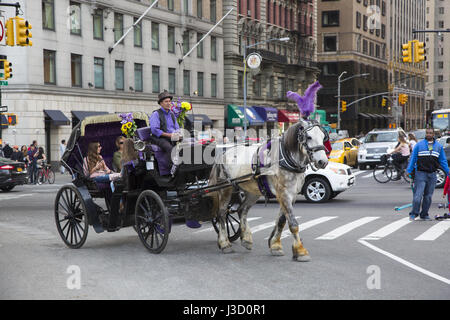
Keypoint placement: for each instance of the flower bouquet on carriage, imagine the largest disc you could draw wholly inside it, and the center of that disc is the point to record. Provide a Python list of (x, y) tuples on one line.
[(129, 127), (180, 109)]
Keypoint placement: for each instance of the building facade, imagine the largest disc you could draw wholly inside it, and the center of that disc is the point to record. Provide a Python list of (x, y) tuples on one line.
[(285, 66), (438, 57), (407, 78), (70, 67), (352, 41)]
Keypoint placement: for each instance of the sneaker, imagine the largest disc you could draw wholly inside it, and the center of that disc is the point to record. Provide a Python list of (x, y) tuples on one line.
[(427, 218), (412, 217)]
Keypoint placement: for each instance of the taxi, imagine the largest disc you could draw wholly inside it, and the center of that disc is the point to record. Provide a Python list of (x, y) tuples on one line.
[(345, 151)]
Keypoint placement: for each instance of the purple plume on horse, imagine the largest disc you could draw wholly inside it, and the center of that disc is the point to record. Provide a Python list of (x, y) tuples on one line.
[(305, 103)]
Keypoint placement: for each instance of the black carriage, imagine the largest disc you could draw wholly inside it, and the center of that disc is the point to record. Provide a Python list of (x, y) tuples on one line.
[(150, 202)]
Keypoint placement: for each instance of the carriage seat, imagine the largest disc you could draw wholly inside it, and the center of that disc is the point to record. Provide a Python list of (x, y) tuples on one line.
[(145, 134)]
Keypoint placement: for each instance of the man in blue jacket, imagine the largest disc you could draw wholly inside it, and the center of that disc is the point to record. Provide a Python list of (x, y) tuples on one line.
[(426, 158)]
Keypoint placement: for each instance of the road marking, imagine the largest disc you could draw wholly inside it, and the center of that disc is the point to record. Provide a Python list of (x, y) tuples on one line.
[(406, 263), (358, 172), (306, 225), (346, 228), (387, 230), (434, 232), (234, 223), (368, 175), (14, 196)]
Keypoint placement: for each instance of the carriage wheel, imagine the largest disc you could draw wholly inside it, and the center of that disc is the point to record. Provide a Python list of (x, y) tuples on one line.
[(232, 224), (70, 217), (152, 221)]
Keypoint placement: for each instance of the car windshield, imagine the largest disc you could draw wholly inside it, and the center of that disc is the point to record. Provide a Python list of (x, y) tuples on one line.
[(420, 135), (381, 137), (337, 146)]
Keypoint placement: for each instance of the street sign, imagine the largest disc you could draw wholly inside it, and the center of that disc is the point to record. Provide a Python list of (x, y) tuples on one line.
[(2, 31), (3, 83), (333, 115), (3, 108)]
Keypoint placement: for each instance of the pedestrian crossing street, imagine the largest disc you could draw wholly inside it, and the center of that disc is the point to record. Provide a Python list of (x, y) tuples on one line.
[(431, 230)]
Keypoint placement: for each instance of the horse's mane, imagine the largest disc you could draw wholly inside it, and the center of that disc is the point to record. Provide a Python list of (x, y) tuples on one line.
[(290, 138)]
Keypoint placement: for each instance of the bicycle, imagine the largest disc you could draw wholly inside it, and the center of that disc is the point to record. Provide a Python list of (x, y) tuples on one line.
[(383, 173), (45, 174)]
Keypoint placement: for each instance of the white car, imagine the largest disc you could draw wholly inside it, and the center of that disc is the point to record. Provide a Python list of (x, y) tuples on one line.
[(325, 184)]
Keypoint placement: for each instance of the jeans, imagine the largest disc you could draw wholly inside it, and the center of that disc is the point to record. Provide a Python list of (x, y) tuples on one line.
[(104, 179), (424, 183)]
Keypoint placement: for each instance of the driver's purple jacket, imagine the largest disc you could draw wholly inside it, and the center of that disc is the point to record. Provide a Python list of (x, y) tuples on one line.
[(155, 123)]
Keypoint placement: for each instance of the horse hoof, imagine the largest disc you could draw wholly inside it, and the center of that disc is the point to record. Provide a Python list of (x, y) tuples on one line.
[(305, 258), (227, 250), (247, 245), (277, 252)]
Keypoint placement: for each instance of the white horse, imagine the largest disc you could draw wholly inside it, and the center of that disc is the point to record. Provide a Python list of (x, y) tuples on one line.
[(284, 161)]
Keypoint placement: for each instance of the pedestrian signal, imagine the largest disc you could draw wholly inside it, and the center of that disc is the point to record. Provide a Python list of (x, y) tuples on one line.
[(407, 52), (12, 119)]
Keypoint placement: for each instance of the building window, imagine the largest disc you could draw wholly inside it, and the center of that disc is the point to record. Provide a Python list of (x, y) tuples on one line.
[(155, 36), (365, 28), (330, 69), (212, 11), (281, 87), (120, 85), (170, 5), (358, 19), (213, 85), (75, 18), (199, 9), (186, 6), (383, 8), (441, 10), (330, 18), (138, 33), (200, 84), (186, 82), (383, 31), (377, 51), (171, 39), (99, 72), (371, 49), (329, 43), (213, 48), (240, 84), (365, 47), (155, 79), (185, 42), (48, 14), (118, 26), (49, 67), (441, 64), (440, 92), (200, 46), (440, 78), (98, 24), (75, 67), (257, 86), (172, 80), (271, 87), (138, 79)]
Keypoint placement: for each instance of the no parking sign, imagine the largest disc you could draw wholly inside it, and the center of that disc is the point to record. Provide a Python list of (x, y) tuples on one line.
[(2, 31)]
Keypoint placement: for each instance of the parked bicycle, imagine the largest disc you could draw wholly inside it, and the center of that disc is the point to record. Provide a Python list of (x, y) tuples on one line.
[(387, 171), (45, 174)]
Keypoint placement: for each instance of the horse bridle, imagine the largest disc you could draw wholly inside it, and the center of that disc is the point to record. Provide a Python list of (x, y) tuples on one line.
[(302, 140)]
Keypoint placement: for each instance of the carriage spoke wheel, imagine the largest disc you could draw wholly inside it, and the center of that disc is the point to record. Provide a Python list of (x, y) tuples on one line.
[(152, 221), (70, 217), (232, 225)]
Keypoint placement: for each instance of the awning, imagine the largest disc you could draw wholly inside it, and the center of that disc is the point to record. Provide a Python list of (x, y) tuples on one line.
[(372, 116), (253, 116), (80, 115), (288, 116), (202, 118), (363, 115), (56, 118), (235, 117), (268, 114)]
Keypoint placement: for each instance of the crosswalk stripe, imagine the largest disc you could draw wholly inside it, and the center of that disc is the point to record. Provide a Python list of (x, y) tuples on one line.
[(358, 172), (15, 196), (234, 223), (346, 228), (387, 230), (306, 225), (434, 232), (263, 226)]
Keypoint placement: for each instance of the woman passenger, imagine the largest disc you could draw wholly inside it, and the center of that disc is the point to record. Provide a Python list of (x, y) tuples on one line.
[(95, 167), (117, 163)]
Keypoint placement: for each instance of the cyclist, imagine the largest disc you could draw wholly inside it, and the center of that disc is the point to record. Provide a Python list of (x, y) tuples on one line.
[(400, 156)]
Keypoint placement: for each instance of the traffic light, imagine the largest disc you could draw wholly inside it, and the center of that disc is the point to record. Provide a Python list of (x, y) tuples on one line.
[(403, 98), (10, 32), (6, 69), (344, 106), (22, 32), (419, 51), (383, 102), (12, 119), (407, 52)]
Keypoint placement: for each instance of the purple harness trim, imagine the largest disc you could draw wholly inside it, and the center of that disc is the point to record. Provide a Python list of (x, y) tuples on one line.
[(263, 184)]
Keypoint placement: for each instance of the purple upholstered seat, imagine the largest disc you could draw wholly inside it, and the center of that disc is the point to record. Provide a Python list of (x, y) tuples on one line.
[(145, 134)]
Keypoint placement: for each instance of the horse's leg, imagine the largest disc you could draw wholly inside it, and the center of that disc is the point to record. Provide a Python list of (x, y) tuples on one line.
[(299, 253), (275, 246), (222, 240), (246, 233)]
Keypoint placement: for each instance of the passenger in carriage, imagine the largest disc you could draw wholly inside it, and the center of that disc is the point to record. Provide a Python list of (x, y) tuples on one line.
[(164, 126), (117, 157), (95, 167)]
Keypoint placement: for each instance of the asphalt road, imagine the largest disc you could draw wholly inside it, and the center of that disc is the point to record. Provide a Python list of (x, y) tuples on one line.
[(360, 249)]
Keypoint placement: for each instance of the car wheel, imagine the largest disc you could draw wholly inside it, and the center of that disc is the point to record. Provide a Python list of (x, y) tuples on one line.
[(8, 188), (362, 167), (440, 175), (317, 190)]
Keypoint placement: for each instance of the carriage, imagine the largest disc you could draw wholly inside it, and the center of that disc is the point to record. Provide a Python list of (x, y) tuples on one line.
[(142, 198)]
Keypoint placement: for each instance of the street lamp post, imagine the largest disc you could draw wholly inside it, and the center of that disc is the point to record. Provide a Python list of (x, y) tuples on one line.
[(245, 75), (339, 94)]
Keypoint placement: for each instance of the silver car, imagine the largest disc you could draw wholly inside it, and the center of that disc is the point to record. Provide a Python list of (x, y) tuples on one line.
[(377, 143)]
